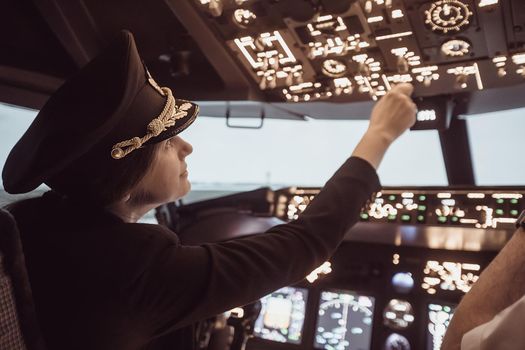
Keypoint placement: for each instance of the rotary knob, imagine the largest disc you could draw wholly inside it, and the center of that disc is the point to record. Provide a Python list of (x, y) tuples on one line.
[(448, 16)]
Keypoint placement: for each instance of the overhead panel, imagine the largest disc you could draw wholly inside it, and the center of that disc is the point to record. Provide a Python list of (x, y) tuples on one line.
[(347, 51)]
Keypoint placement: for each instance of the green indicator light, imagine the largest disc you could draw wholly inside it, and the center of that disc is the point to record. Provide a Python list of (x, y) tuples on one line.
[(514, 212), (422, 198), (442, 219), (500, 201), (364, 216), (391, 197), (499, 211), (422, 208), (455, 219), (513, 201), (405, 217), (421, 218), (391, 217)]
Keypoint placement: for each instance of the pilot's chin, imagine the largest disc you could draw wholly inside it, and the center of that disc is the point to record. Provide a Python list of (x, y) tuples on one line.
[(187, 189)]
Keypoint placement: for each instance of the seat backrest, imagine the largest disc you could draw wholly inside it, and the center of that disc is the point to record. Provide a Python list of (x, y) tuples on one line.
[(18, 323)]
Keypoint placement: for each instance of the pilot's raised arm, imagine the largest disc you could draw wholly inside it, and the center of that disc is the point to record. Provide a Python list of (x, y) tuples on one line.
[(224, 275), (99, 276)]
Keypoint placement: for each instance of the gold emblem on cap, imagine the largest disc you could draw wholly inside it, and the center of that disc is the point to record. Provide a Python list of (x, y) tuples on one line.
[(167, 118), (153, 83)]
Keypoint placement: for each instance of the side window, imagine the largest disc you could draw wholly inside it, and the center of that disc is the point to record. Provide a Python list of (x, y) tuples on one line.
[(14, 121), (496, 143)]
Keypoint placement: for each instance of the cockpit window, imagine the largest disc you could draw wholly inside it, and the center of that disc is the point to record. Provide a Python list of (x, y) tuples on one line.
[(282, 153), (301, 153), (496, 143), (14, 121)]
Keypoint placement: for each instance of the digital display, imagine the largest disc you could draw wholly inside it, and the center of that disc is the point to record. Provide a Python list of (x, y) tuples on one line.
[(433, 113), (439, 317), (282, 315), (344, 321)]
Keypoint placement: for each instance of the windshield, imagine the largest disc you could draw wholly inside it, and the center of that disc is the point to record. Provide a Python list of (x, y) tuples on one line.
[(301, 153), (306, 153), (496, 143)]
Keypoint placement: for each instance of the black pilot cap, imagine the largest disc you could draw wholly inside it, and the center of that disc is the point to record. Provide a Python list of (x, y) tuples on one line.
[(111, 106)]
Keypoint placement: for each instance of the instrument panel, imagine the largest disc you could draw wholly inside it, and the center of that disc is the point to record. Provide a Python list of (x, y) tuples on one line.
[(378, 295), (355, 50), (375, 297), (479, 208)]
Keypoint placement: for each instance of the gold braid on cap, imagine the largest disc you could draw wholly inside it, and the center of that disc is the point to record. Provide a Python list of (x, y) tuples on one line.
[(167, 118)]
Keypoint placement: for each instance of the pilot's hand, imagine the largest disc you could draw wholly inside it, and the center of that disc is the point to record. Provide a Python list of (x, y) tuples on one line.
[(394, 113)]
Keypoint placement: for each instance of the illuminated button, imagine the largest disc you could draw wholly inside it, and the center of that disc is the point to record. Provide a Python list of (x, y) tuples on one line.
[(391, 197), (499, 212), (421, 218), (454, 219), (442, 219), (405, 217), (514, 212), (422, 198), (500, 201), (513, 201), (364, 216), (422, 208), (391, 217)]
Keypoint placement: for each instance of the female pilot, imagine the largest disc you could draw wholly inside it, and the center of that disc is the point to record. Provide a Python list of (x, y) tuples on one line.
[(107, 144)]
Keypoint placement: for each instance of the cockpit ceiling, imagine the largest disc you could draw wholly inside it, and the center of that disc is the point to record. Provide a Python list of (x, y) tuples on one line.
[(294, 51)]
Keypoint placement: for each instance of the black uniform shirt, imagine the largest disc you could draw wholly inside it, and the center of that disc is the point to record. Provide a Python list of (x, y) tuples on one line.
[(100, 283)]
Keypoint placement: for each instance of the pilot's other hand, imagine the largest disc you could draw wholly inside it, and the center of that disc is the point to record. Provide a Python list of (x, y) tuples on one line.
[(394, 113)]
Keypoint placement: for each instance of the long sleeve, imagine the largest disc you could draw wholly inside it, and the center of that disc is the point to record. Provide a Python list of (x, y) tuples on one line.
[(183, 284)]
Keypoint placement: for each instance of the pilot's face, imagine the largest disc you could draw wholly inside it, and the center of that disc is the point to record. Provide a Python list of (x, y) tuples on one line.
[(167, 178)]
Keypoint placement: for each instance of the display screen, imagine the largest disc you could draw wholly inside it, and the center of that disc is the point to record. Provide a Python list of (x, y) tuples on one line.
[(282, 315), (344, 321), (439, 317), (433, 113)]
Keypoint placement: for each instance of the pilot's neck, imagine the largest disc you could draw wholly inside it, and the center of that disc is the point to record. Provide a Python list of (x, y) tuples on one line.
[(128, 211)]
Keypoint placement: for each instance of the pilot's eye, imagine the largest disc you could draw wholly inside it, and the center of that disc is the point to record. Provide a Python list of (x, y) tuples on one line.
[(170, 142)]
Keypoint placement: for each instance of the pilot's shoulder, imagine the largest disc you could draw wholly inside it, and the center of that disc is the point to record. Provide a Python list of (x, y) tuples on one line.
[(146, 233), (23, 204)]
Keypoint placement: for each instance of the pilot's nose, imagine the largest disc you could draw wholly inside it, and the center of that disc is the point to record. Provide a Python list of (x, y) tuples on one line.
[(187, 148)]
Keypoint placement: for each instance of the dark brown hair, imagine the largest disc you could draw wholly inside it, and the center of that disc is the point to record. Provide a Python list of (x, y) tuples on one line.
[(111, 179)]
